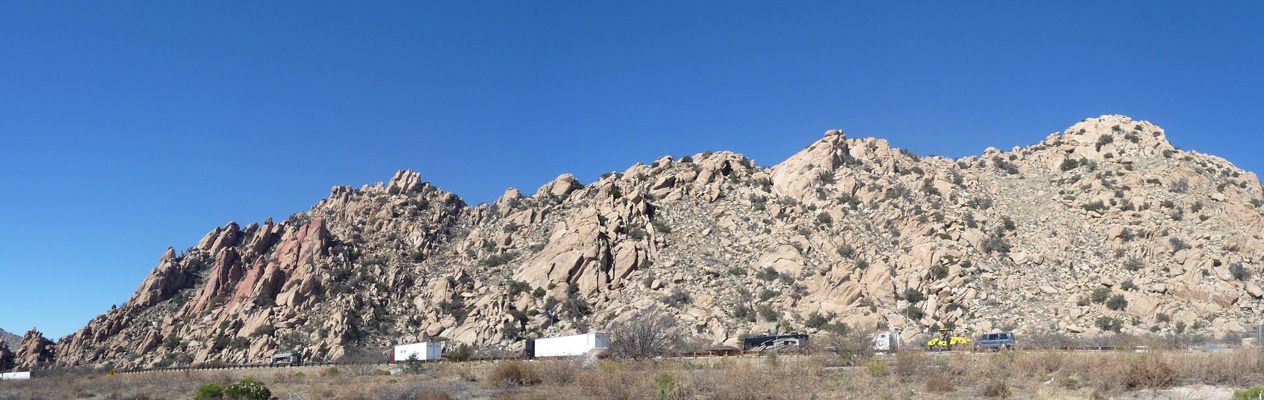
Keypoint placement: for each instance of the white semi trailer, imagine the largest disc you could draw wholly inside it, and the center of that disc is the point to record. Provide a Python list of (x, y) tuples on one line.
[(567, 346), (423, 351)]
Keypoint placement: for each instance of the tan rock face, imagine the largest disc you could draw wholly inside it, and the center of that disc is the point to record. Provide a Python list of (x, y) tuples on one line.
[(854, 230), (34, 350)]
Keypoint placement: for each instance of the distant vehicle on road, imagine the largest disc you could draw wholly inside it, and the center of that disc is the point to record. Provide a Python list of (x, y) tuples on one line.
[(946, 341), (1001, 340), (780, 342), (424, 351), (566, 346), (287, 358), (886, 342)]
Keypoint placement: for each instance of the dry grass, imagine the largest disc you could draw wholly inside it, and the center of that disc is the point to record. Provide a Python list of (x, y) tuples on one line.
[(904, 376)]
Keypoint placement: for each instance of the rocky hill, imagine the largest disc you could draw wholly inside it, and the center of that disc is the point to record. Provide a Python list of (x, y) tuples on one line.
[(10, 340), (1104, 227)]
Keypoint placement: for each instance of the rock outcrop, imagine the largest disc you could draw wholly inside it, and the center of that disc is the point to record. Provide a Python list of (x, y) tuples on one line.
[(35, 350), (1103, 228)]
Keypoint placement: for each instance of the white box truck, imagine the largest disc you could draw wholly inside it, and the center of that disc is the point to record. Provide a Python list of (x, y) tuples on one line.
[(423, 351), (567, 346)]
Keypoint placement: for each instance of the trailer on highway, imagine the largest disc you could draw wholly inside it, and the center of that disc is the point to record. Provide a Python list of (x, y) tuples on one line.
[(567, 346), (423, 351)]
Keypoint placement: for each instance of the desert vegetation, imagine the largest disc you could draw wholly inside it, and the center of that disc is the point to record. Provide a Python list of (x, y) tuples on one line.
[(850, 370)]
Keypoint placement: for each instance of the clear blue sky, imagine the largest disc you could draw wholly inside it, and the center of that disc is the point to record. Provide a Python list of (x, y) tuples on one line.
[(128, 127)]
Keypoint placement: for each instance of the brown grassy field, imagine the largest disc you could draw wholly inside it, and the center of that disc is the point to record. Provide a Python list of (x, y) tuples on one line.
[(1014, 374)]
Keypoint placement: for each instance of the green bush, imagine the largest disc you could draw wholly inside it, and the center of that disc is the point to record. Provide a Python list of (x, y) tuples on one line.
[(1070, 164), (939, 271), (913, 295), (210, 391), (1116, 302), (768, 313), (1100, 294), (824, 218), (248, 389), (1254, 392), (914, 312), (1109, 324), (1238, 272), (767, 274), (768, 294), (876, 368), (666, 384)]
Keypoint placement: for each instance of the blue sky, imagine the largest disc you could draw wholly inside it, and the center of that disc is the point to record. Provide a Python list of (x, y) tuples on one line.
[(129, 127)]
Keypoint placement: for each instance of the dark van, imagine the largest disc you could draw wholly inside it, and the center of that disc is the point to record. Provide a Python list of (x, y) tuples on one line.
[(1003, 340)]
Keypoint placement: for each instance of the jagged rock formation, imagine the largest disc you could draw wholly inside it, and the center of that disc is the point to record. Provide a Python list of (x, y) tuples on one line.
[(35, 350), (1104, 227)]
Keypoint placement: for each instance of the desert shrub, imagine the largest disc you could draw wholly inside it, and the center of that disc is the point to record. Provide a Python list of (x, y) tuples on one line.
[(914, 313), (220, 343), (170, 343), (768, 313), (939, 383), (1254, 392), (647, 334), (247, 389), (666, 385), (768, 294), (677, 298), (1178, 245), (496, 260), (210, 391), (996, 390), (742, 312), (1105, 139), (513, 373), (816, 319), (1133, 264), (876, 368), (1109, 324), (1147, 371), (996, 243), (767, 274), (1161, 317), (661, 227), (824, 218), (1116, 302), (1237, 271), (1100, 294), (263, 330), (636, 233), (1070, 164), (1196, 207), (939, 271), (913, 295), (846, 251), (1094, 206)]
